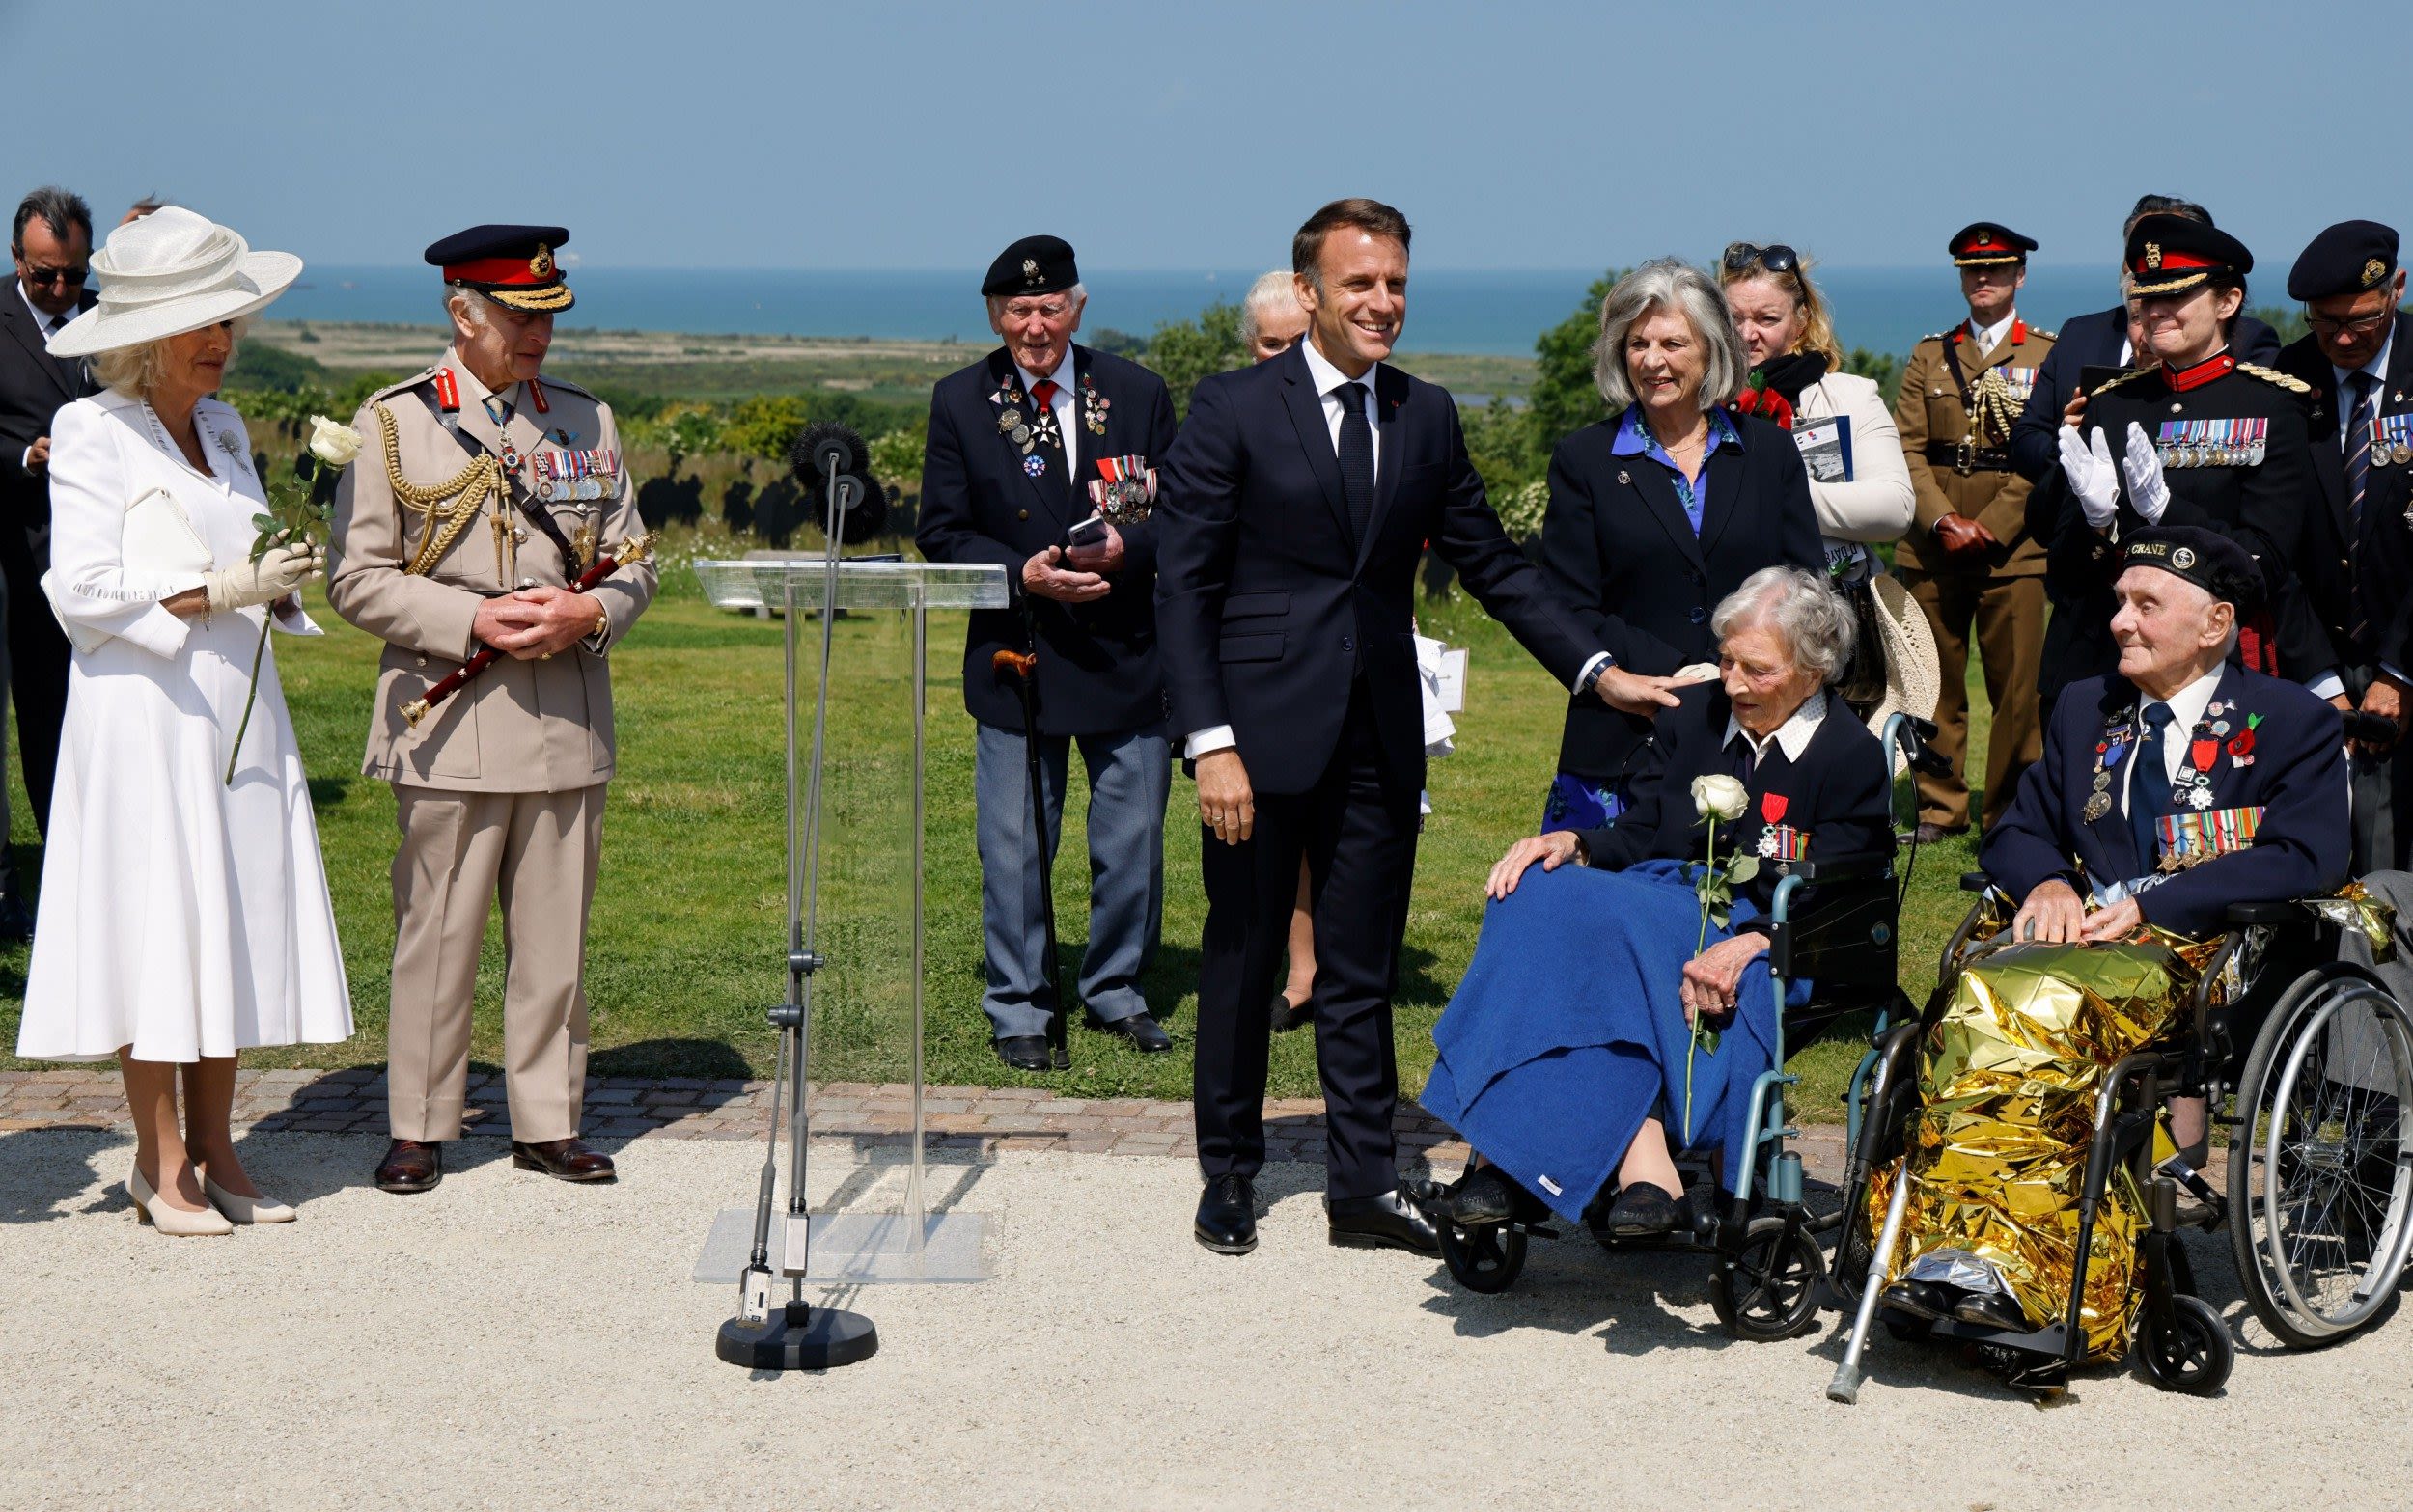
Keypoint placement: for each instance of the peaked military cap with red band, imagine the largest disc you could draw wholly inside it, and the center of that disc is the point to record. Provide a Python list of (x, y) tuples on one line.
[(1988, 245), (2171, 254), (512, 266)]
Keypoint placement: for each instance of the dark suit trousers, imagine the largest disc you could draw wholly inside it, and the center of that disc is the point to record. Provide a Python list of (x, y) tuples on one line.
[(37, 665), (1357, 829), (2383, 796)]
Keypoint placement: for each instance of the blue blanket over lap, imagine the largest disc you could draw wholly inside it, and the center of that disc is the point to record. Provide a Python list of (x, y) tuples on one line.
[(1569, 1029)]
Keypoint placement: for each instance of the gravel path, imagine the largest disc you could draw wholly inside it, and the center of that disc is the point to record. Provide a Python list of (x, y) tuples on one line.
[(512, 1341)]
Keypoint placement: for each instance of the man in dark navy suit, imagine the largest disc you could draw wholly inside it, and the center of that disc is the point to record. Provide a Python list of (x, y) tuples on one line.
[(1016, 440), (2100, 340), (1295, 506), (2184, 781), (2358, 363)]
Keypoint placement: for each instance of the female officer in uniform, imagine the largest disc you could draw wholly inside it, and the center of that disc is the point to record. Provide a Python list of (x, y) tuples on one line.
[(2194, 437)]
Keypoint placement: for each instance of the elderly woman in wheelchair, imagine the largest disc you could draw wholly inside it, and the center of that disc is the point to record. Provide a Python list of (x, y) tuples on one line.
[(1608, 1021), (2015, 1142)]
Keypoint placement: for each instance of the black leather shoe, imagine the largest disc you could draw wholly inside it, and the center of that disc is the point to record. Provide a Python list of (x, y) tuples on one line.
[(410, 1167), (17, 925), (1919, 1300), (1285, 1018), (563, 1160), (1023, 1052), (1146, 1034), (1929, 832), (1227, 1215), (1642, 1211), (1991, 1310), (1388, 1222)]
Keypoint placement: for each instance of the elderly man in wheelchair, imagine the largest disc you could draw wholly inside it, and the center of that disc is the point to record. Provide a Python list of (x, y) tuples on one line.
[(2026, 1143), (1616, 1013)]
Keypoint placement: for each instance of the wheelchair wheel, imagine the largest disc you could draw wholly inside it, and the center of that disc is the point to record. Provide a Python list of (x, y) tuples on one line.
[(2193, 1353), (2320, 1163), (1486, 1259), (1769, 1290)]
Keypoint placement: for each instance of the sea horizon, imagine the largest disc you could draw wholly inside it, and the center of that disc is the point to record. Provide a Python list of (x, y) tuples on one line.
[(1471, 312)]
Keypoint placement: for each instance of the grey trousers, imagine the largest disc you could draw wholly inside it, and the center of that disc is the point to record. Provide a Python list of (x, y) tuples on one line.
[(1130, 776), (2383, 798)]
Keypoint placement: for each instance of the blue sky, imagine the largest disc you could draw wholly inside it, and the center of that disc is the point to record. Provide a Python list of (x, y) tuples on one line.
[(741, 133)]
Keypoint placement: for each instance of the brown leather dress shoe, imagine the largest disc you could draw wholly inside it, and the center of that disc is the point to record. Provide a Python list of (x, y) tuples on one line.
[(410, 1167), (563, 1160)]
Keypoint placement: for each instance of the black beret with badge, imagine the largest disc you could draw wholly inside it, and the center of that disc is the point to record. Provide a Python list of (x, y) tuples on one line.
[(2172, 254), (1032, 266), (513, 265), (2349, 258), (1988, 245), (2207, 558)]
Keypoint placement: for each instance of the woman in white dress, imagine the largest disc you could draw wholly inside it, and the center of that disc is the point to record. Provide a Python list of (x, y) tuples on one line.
[(183, 918)]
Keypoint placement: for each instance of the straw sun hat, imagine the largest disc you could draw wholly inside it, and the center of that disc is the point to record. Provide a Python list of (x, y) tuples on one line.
[(170, 272)]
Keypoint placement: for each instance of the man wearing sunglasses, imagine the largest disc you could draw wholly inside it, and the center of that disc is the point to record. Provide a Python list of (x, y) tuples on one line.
[(51, 242), (2358, 362)]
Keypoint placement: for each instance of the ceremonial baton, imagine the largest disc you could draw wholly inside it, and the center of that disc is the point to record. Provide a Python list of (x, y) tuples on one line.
[(1023, 666), (633, 550)]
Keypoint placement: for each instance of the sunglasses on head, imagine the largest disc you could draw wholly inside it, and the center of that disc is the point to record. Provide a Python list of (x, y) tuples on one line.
[(1776, 258)]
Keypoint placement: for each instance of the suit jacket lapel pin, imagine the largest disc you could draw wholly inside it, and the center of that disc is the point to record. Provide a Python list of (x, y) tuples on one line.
[(2241, 744), (1093, 407), (2107, 753), (1624, 477), (1034, 465)]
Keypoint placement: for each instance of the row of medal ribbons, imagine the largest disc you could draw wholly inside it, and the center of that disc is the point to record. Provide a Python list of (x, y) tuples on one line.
[(2238, 442)]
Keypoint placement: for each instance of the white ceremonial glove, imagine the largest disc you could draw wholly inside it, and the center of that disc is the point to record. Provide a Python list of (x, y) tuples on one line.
[(2087, 463), (284, 569), (2148, 490)]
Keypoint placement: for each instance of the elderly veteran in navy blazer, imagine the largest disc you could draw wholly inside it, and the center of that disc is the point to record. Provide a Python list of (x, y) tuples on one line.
[(1294, 509), (2357, 360), (1656, 513), (1569, 1035), (1015, 441)]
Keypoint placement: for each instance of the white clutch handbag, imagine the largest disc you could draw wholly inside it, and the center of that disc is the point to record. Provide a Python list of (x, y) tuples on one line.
[(157, 542)]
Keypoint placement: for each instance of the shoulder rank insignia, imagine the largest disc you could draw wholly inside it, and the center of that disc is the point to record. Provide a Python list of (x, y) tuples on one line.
[(2130, 377), (2292, 385), (2050, 336)]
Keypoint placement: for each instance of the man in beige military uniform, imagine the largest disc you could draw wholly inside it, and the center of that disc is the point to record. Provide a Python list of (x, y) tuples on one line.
[(481, 495), (1968, 559)]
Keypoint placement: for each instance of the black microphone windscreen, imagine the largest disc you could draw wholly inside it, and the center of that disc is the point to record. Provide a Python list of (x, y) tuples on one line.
[(825, 443), (864, 518)]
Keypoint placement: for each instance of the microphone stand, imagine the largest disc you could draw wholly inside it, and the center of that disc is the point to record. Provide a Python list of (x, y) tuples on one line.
[(798, 1336)]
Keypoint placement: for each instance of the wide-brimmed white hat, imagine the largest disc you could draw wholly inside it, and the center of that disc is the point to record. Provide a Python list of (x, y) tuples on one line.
[(170, 272), (1914, 674)]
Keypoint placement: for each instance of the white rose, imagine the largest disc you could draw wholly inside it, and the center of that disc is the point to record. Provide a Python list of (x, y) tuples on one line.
[(1722, 797), (333, 443)]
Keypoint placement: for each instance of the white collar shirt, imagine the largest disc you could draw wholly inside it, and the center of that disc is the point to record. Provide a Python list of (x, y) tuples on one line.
[(1793, 738), (42, 322), (1328, 380), (1987, 337), (1060, 404), (2377, 368), (2186, 707)]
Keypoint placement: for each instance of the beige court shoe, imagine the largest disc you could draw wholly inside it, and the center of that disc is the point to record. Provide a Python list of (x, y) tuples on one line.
[(261, 1209), (174, 1221)]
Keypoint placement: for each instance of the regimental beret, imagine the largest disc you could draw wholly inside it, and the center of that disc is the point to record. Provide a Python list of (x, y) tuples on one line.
[(2349, 258), (1032, 266), (2207, 558), (2170, 254), (1988, 244), (510, 264)]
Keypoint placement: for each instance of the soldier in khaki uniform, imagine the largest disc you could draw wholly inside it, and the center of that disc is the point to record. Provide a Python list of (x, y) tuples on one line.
[(1968, 559), (481, 494)]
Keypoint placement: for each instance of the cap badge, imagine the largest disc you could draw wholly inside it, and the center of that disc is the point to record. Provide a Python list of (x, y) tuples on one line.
[(2183, 558), (2374, 271), (2154, 257), (542, 265), (1030, 270)]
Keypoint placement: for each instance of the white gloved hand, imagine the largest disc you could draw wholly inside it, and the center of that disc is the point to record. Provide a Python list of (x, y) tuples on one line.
[(2087, 465), (281, 571), (2147, 489)]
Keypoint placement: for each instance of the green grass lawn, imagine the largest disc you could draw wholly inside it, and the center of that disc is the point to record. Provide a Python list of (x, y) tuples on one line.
[(687, 940)]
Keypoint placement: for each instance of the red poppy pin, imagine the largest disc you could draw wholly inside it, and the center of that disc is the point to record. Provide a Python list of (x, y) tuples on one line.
[(2241, 744), (1772, 808)]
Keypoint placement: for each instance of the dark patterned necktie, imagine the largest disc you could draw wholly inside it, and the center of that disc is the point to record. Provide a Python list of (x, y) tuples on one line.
[(2358, 443), (1357, 458), (2149, 789)]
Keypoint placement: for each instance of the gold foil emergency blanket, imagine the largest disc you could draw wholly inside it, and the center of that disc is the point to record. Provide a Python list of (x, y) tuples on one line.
[(2008, 1078), (2352, 908)]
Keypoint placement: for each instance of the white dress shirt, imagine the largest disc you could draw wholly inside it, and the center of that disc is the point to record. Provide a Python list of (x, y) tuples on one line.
[(45, 325), (1329, 381), (2186, 707), (1793, 738), (1990, 337), (1061, 406)]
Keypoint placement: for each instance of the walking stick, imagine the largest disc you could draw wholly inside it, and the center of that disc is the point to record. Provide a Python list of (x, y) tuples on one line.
[(1024, 668)]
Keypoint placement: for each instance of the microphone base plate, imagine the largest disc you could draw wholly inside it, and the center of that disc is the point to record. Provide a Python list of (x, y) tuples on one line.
[(798, 1336)]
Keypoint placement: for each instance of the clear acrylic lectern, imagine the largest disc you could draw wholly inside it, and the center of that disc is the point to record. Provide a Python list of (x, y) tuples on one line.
[(854, 906)]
